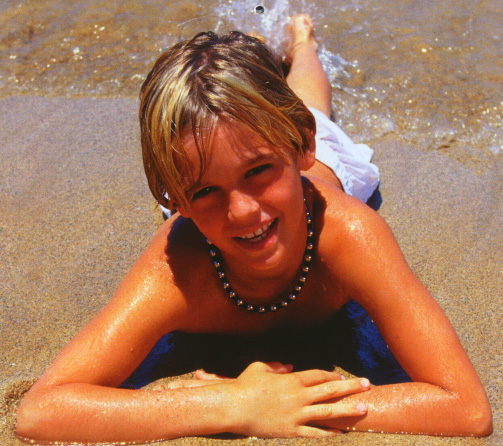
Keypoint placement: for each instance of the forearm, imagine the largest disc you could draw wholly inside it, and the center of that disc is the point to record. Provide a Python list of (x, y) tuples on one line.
[(417, 408), (89, 413)]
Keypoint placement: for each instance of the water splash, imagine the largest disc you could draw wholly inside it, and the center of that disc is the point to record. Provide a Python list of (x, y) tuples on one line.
[(271, 24), (242, 15)]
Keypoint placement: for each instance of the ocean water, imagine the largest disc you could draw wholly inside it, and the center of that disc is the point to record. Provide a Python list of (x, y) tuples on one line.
[(430, 72)]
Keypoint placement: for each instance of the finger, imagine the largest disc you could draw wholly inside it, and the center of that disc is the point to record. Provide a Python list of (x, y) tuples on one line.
[(312, 432), (278, 367), (313, 377), (203, 376), (337, 389), (333, 410), (273, 367)]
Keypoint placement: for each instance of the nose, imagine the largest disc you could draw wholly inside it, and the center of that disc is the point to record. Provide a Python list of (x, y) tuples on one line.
[(243, 208)]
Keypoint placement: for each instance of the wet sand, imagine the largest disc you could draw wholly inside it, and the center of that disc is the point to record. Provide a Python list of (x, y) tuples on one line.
[(76, 213)]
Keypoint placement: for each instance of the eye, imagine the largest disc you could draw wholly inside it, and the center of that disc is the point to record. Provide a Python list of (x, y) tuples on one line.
[(203, 192), (257, 170)]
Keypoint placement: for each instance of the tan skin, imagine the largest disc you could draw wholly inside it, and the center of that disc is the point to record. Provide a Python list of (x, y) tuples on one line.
[(244, 187)]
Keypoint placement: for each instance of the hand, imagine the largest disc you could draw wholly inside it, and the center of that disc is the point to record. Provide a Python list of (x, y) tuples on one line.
[(273, 402)]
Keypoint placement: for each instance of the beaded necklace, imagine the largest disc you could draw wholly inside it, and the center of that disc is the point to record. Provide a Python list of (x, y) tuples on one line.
[(304, 270)]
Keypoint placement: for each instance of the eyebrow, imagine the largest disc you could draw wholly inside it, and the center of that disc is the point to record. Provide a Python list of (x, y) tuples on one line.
[(260, 157), (249, 161)]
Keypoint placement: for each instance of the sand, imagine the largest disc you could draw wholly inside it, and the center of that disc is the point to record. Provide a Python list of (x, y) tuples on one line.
[(76, 212)]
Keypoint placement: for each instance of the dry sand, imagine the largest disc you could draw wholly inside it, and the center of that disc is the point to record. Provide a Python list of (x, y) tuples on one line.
[(76, 212)]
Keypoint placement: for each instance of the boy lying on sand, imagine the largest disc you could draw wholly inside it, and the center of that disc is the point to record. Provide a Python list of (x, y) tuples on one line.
[(255, 245)]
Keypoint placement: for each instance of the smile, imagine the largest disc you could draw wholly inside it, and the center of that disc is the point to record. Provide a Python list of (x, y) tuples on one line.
[(258, 235)]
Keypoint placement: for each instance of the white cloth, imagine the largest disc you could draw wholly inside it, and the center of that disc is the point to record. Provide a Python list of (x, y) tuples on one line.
[(349, 161)]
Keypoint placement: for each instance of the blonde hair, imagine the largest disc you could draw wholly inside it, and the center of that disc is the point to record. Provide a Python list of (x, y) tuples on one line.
[(197, 82)]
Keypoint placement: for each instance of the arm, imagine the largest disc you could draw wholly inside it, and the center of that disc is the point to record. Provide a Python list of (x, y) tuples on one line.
[(446, 397), (76, 399)]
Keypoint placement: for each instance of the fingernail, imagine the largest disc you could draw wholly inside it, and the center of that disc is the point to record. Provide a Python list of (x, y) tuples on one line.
[(365, 382), (361, 408)]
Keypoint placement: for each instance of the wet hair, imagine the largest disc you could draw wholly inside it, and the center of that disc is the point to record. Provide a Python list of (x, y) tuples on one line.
[(196, 83)]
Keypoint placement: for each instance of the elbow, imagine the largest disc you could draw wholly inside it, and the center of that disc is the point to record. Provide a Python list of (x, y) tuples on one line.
[(29, 420), (482, 425), (24, 422), (479, 422)]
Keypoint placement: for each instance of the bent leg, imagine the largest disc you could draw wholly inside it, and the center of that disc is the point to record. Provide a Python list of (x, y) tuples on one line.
[(306, 77), (338, 160), (308, 80)]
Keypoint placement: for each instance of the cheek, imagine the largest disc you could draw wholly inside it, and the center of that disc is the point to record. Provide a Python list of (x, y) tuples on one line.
[(209, 222), (289, 187), (284, 197)]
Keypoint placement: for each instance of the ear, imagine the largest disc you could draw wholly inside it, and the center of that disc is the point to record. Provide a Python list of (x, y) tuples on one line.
[(306, 161)]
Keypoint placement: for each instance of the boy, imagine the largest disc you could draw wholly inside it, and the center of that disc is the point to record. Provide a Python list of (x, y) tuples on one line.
[(255, 246)]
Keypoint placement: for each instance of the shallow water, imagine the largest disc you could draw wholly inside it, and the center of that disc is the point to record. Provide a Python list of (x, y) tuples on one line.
[(428, 71)]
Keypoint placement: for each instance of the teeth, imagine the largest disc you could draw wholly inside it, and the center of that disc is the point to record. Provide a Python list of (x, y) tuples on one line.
[(257, 233)]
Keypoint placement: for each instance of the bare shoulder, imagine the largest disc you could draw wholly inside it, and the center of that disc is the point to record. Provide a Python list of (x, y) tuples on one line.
[(167, 274), (343, 220), (354, 239)]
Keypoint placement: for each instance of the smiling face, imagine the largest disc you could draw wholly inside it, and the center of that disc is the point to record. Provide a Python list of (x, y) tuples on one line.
[(249, 199)]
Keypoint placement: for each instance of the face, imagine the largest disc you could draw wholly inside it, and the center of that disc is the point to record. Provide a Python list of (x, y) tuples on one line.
[(249, 201)]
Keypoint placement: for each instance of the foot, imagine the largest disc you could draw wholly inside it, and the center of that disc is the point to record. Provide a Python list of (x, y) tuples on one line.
[(257, 36), (300, 33)]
